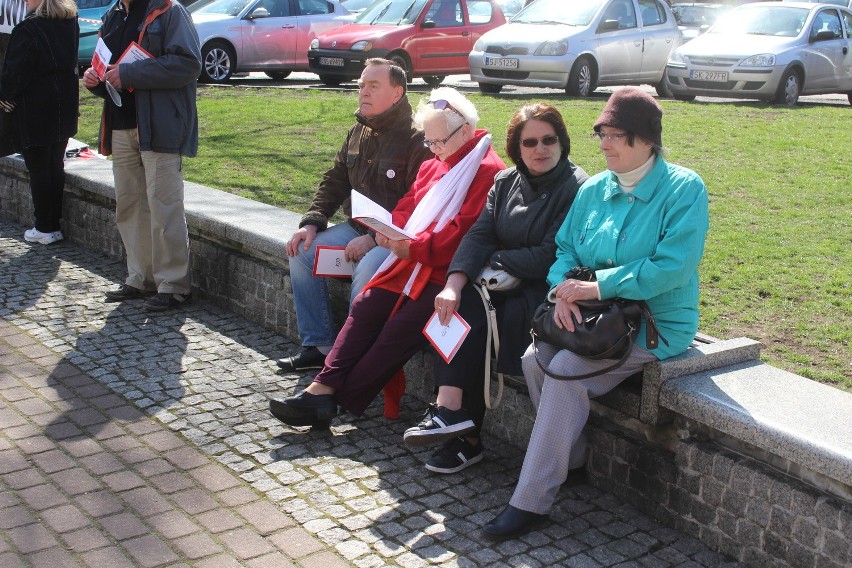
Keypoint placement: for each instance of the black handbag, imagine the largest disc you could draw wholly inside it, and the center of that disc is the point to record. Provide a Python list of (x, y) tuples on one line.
[(605, 331)]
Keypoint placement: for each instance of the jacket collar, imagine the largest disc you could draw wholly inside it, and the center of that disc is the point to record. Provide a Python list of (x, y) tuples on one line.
[(388, 119), (644, 190)]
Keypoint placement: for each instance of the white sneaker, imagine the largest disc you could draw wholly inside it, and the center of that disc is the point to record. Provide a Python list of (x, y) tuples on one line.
[(35, 236)]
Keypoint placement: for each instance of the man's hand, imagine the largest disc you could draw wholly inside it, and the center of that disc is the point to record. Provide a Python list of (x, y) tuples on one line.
[(112, 76), (307, 233), (90, 79), (358, 247)]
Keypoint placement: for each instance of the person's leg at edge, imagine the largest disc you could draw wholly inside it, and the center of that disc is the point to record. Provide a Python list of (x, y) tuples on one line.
[(169, 235), (314, 317), (563, 409), (46, 184), (132, 214)]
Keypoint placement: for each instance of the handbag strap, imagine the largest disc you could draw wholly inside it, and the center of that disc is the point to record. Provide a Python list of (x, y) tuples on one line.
[(627, 337), (492, 335)]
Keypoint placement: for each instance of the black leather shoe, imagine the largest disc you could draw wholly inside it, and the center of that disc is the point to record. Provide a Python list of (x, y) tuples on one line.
[(512, 523), (310, 358), (304, 409)]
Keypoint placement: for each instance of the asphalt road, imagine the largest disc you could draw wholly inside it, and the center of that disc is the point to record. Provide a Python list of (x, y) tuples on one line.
[(463, 83)]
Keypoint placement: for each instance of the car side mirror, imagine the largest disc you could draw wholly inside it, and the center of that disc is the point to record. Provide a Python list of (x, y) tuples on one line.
[(428, 24), (823, 35), (608, 26), (259, 12)]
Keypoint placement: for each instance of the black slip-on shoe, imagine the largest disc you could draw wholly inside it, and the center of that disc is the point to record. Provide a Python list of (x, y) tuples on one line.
[(512, 523), (126, 292), (164, 301), (309, 358)]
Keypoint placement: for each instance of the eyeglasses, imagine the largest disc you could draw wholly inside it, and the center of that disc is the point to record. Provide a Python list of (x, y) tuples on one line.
[(442, 104), (609, 136), (430, 143), (533, 142)]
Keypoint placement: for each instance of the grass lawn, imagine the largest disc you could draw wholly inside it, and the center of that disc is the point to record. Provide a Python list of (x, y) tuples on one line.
[(777, 266)]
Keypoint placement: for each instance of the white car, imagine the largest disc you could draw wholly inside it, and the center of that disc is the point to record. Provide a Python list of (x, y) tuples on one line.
[(775, 51), (261, 35), (578, 45)]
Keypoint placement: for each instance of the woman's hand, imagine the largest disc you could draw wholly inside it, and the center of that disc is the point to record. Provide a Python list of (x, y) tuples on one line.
[(572, 290), (565, 314), (447, 301), (7, 106), (399, 248)]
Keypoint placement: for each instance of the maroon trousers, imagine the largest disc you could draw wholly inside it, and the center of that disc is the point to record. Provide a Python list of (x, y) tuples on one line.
[(372, 345)]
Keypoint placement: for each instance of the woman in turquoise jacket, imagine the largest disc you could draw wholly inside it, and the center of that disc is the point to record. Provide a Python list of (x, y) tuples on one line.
[(640, 225)]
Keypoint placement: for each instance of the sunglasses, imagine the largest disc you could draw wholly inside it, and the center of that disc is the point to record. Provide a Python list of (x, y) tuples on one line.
[(442, 104), (533, 142)]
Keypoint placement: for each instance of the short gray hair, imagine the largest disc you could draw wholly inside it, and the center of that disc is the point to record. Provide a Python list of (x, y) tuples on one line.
[(462, 110)]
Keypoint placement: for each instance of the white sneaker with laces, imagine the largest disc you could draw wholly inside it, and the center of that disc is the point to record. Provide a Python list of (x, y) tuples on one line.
[(35, 236)]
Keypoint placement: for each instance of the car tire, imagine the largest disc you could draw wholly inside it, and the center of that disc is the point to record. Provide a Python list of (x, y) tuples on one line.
[(217, 62), (663, 89), (789, 88), (684, 98), (490, 88), (434, 81), (581, 80), (277, 75), (330, 80), (402, 61)]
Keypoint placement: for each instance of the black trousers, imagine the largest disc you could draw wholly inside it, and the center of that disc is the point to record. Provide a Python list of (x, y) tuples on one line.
[(467, 369), (47, 181)]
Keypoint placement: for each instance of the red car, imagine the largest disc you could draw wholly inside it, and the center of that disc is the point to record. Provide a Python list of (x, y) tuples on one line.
[(428, 38)]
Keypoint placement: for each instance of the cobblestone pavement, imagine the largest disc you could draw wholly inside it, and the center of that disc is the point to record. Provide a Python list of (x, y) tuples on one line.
[(133, 439)]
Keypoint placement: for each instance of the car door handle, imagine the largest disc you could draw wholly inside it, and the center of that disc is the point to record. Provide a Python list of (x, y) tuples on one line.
[(288, 26), (465, 34), (845, 50)]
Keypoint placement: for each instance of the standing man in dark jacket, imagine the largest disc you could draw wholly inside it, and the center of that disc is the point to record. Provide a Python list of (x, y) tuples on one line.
[(380, 158), (148, 135), (39, 87)]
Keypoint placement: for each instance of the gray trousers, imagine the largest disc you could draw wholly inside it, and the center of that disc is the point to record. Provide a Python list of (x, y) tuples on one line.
[(557, 443), (149, 214)]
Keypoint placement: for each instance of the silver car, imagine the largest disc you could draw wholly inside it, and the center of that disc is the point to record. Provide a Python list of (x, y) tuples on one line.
[(578, 46), (261, 35), (775, 51)]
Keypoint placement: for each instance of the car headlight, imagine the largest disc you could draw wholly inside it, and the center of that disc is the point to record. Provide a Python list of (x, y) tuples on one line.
[(677, 57), (314, 43), (363, 45), (553, 48), (762, 60)]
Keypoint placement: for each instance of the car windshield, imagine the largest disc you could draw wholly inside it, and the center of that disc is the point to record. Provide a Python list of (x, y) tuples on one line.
[(225, 7), (696, 15), (391, 12), (573, 13), (762, 20)]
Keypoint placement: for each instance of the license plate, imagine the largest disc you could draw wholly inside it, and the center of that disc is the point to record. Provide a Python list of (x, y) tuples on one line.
[(331, 61), (711, 76), (506, 63)]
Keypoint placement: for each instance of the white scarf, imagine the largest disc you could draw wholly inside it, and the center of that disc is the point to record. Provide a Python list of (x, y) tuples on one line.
[(442, 202)]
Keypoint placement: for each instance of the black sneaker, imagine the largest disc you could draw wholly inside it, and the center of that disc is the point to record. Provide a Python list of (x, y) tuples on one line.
[(162, 301), (310, 358), (439, 424), (454, 456), (125, 292)]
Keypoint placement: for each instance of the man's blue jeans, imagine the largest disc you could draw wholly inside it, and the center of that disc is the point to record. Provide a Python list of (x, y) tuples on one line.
[(310, 293)]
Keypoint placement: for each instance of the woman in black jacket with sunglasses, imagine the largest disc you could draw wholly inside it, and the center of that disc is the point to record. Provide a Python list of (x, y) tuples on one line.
[(515, 233)]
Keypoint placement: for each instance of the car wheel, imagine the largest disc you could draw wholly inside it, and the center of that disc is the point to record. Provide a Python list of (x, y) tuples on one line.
[(278, 75), (402, 61), (490, 88), (789, 88), (581, 80), (330, 81), (685, 98), (662, 88), (217, 62), (434, 81)]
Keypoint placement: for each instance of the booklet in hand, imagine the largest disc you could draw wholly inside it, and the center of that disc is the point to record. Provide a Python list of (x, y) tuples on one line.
[(446, 339), (330, 261), (100, 61), (134, 52), (372, 215)]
